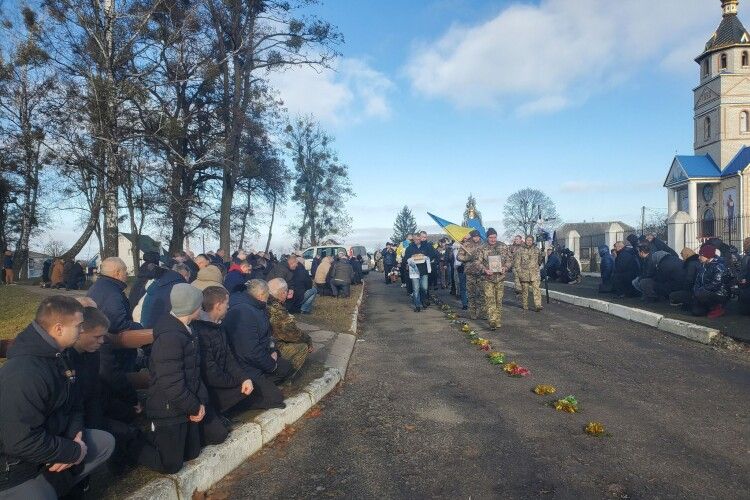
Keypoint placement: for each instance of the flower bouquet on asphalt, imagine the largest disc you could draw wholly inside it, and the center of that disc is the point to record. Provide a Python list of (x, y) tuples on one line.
[(496, 357), (544, 389), (516, 370), (465, 328), (568, 404), (451, 316), (595, 429)]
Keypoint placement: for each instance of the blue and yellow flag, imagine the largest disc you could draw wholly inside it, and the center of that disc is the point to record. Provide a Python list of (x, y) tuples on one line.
[(458, 233)]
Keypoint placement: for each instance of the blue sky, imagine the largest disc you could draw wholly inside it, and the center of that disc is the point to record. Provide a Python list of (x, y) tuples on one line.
[(587, 100)]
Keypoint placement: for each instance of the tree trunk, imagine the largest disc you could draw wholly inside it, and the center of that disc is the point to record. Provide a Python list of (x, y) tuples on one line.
[(112, 178), (270, 226), (90, 228), (225, 214), (178, 207)]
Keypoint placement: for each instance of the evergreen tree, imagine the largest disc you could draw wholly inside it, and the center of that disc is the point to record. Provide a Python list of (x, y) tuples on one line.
[(405, 224)]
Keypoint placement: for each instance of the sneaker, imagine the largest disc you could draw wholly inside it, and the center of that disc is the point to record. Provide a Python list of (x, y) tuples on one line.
[(716, 312)]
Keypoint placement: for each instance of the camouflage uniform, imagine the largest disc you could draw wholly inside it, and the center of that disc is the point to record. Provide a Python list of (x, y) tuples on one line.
[(467, 254), (526, 271), (513, 251), (494, 287), (292, 343)]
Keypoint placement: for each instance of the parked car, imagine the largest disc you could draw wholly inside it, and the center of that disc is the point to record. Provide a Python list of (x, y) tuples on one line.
[(321, 251), (359, 250)]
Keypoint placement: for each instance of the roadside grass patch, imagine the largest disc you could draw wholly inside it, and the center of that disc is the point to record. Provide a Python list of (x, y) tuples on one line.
[(334, 314), (19, 308)]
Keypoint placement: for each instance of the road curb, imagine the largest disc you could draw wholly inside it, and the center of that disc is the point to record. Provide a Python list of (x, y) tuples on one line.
[(215, 462), (690, 331), (355, 314)]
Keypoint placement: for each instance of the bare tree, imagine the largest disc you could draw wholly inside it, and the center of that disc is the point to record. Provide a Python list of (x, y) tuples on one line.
[(524, 209)]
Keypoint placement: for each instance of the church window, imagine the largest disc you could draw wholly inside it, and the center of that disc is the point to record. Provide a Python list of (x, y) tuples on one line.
[(744, 122), (707, 128), (723, 61), (745, 59), (705, 67), (708, 226)]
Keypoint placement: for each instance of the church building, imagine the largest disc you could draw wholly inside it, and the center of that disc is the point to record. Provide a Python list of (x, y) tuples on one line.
[(709, 191)]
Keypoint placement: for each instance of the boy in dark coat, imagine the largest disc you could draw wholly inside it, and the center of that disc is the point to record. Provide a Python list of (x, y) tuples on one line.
[(180, 421), (226, 381), (46, 449), (249, 332), (606, 269)]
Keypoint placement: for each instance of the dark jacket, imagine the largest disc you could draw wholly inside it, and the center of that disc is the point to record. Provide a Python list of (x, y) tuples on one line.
[(157, 303), (690, 272), (112, 362), (389, 257), (552, 267), (109, 295), (190, 263), (627, 266), (342, 272), (711, 279), (666, 269), (281, 270), (606, 265), (88, 387), (314, 265), (301, 283), (235, 278), (46, 268), (40, 412), (249, 333), (147, 272), (659, 245), (176, 390), (220, 370), (425, 249), (357, 269), (76, 276)]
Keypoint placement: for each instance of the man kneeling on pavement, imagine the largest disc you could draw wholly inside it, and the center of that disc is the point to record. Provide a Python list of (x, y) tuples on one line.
[(292, 343), (46, 451)]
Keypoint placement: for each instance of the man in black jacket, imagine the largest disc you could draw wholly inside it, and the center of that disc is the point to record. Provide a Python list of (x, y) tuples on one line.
[(180, 420), (46, 450), (389, 260), (249, 332), (284, 269), (226, 381), (661, 273), (627, 269), (710, 291), (303, 291)]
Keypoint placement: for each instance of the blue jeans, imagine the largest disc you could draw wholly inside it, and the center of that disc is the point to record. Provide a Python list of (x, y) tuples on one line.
[(462, 289), (309, 300), (420, 289)]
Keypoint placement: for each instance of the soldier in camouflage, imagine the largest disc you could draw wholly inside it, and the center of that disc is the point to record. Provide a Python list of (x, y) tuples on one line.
[(473, 270), (514, 248), (526, 271), (493, 279), (293, 344)]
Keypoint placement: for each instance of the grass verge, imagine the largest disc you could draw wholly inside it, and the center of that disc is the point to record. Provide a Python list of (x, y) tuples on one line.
[(19, 308), (332, 313)]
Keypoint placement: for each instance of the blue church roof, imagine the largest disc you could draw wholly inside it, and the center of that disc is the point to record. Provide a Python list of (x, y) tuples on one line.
[(738, 163), (698, 166)]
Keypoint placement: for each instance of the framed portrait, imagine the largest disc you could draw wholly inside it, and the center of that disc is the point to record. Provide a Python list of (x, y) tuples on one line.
[(729, 203)]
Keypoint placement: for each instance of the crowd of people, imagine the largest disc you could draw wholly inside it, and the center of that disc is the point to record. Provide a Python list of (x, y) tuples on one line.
[(87, 383), (473, 270), (702, 282)]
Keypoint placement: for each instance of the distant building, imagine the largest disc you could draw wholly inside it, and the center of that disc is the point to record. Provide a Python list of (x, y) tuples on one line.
[(125, 245), (708, 192), (35, 263)]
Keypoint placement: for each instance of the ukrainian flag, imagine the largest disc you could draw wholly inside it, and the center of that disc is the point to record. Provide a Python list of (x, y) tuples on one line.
[(458, 233)]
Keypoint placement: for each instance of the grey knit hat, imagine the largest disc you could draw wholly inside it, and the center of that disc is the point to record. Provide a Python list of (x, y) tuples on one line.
[(186, 299)]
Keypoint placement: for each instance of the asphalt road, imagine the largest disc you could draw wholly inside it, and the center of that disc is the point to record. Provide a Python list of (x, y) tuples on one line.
[(422, 414)]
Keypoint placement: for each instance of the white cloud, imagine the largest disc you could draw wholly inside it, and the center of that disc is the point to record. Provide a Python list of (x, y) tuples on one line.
[(352, 91), (542, 58), (574, 187)]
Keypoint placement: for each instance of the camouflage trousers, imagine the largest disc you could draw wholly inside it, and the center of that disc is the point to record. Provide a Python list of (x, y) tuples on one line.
[(475, 292), (536, 291), (493, 301), (296, 353)]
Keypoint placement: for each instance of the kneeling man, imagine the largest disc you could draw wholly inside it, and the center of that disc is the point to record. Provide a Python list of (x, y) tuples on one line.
[(293, 343)]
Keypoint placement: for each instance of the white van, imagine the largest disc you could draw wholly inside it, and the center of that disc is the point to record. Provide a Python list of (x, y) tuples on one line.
[(321, 251)]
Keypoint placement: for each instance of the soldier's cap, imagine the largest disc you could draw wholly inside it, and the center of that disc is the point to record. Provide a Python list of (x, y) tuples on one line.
[(474, 233), (491, 231)]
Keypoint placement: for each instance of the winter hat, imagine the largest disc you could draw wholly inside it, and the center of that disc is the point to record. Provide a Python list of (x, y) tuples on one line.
[(491, 231), (151, 257), (708, 251), (186, 299), (686, 253), (474, 233)]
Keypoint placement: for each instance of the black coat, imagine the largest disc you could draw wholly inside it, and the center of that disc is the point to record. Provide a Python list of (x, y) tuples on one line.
[(113, 375), (357, 268), (157, 303), (40, 411), (690, 271), (627, 266), (109, 295), (176, 389), (146, 273), (89, 387), (190, 263), (76, 276), (389, 257), (281, 270), (711, 279), (249, 333), (301, 283), (220, 370), (659, 245)]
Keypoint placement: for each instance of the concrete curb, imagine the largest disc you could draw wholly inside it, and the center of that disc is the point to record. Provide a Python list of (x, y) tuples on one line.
[(215, 462), (690, 331), (355, 314)]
